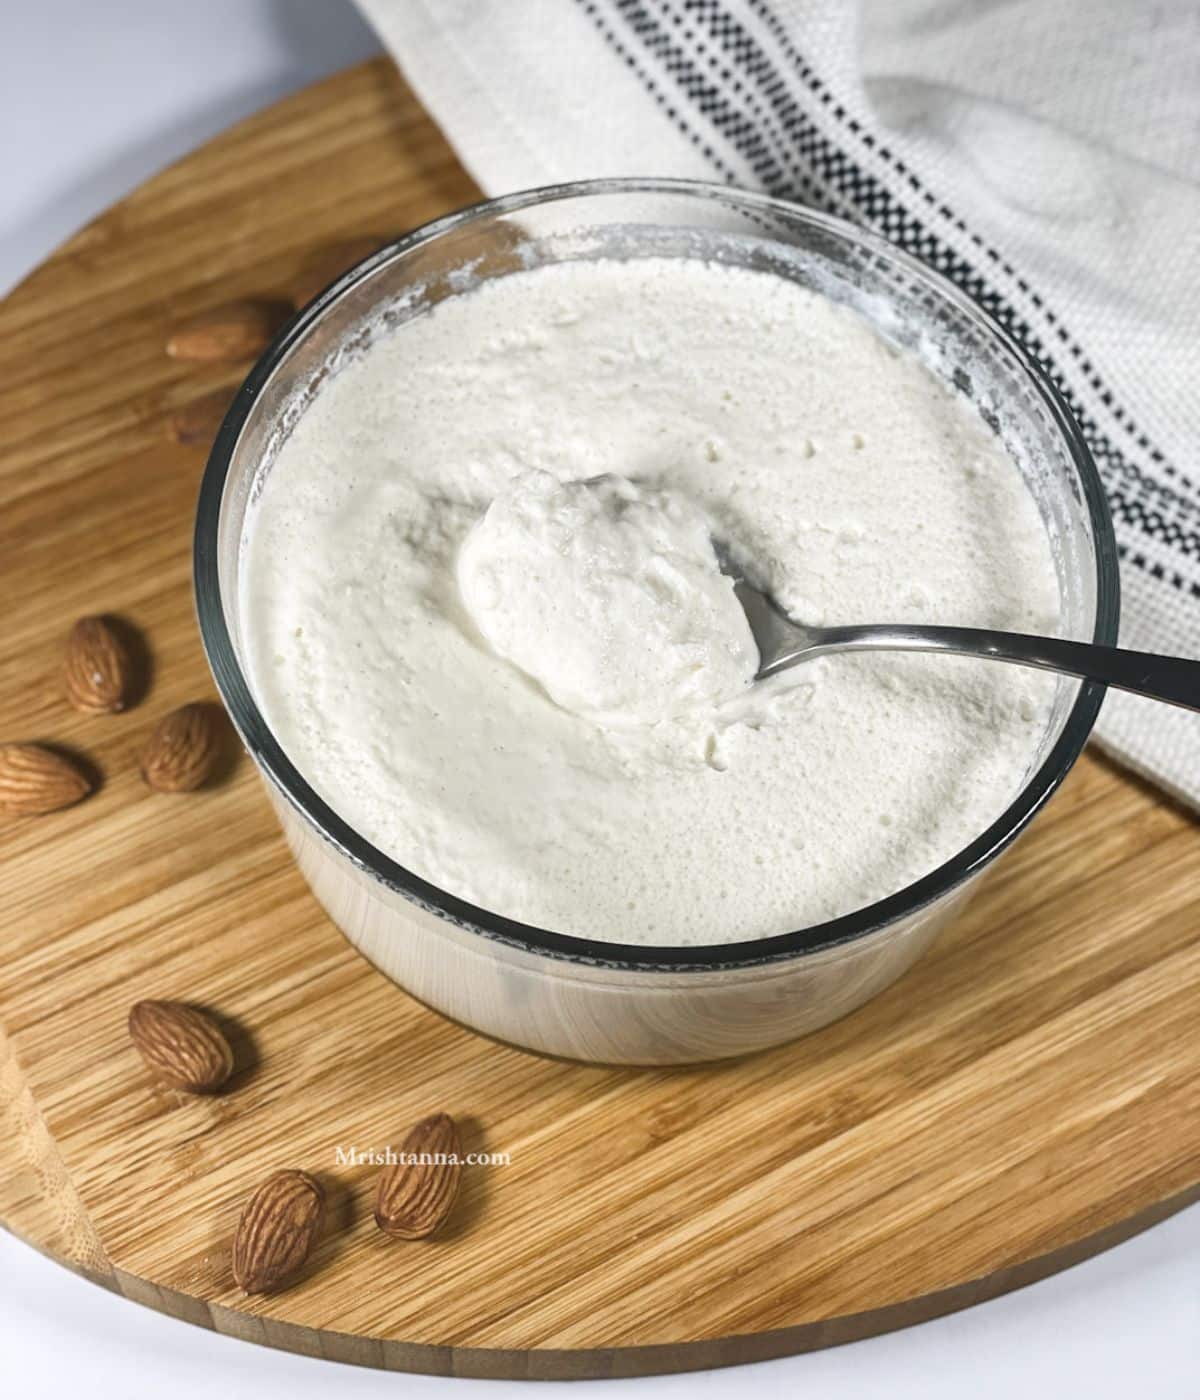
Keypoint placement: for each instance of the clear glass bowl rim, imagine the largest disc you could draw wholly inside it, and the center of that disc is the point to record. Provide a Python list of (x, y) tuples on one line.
[(758, 952)]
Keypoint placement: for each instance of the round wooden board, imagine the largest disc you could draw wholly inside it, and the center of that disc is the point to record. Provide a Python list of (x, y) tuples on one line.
[(1029, 1094)]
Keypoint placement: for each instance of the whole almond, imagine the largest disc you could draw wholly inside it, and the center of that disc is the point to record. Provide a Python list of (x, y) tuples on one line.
[(35, 780), (98, 671), (276, 1233), (327, 264), (184, 749), (415, 1197), (239, 330), (198, 421), (181, 1045)]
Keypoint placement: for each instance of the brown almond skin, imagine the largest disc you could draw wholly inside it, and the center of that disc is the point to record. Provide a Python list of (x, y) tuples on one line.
[(327, 264), (196, 423), (413, 1200), (239, 330), (35, 780), (184, 749), (181, 1045), (98, 670), (278, 1228)]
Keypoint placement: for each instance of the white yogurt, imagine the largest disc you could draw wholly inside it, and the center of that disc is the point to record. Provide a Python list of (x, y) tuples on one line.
[(484, 617)]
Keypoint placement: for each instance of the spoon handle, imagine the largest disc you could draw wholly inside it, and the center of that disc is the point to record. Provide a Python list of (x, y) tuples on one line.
[(1171, 678)]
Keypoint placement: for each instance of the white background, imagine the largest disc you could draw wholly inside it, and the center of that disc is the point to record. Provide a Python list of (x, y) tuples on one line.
[(94, 97)]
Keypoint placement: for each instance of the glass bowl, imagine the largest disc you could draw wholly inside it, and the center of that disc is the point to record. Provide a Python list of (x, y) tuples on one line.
[(613, 1002)]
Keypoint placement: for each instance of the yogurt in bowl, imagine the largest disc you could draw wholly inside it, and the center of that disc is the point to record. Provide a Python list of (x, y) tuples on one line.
[(503, 692)]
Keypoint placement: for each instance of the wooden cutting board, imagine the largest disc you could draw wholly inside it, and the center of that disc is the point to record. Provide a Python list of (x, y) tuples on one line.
[(1029, 1094)]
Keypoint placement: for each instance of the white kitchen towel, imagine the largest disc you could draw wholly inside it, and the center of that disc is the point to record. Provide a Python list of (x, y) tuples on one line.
[(1043, 154)]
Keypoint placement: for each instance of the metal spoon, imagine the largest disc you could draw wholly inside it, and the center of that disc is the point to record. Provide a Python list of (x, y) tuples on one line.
[(783, 643)]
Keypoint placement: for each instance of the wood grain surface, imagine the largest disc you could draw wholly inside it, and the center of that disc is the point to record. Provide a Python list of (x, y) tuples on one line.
[(1027, 1095)]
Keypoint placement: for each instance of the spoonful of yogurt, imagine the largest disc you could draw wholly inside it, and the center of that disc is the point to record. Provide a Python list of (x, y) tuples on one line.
[(614, 598), (609, 595)]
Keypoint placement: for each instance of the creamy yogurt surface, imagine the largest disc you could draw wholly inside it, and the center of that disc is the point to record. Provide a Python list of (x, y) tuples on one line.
[(483, 613)]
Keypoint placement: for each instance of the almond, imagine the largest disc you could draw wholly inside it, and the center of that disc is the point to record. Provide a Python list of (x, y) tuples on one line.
[(276, 1233), (239, 330), (198, 421), (181, 1045), (414, 1197), (184, 749), (327, 264), (35, 780), (98, 669)]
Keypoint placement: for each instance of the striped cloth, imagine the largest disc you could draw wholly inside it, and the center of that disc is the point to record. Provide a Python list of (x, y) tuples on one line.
[(1045, 157)]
